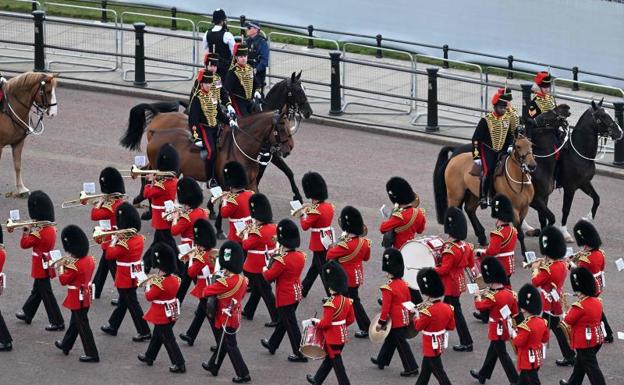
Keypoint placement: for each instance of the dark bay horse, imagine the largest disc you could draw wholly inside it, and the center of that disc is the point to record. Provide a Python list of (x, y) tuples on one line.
[(21, 93)]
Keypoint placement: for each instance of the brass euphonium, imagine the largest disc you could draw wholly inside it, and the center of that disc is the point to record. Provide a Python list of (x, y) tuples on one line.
[(90, 199), (29, 224), (136, 172), (99, 234)]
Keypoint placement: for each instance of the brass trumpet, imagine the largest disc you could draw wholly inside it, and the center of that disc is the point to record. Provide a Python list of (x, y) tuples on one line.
[(29, 224), (99, 234), (136, 172), (87, 199)]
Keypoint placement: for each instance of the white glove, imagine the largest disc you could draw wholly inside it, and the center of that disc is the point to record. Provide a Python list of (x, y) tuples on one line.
[(509, 149), (233, 123), (477, 162), (257, 95), (2, 81), (231, 111)]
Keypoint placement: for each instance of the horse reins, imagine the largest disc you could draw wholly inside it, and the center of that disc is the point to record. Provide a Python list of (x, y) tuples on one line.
[(271, 152), (603, 145), (40, 111), (510, 178)]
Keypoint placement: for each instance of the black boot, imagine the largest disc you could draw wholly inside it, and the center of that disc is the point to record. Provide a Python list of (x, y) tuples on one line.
[(483, 193)]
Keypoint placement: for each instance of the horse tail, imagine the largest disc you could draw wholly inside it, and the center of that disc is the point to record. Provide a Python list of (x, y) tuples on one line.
[(439, 184), (136, 125)]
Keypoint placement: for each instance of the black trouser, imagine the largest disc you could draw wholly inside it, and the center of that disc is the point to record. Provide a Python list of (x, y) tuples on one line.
[(42, 291), (163, 335), (128, 302), (5, 336), (316, 267), (260, 288), (230, 346), (586, 363), (159, 236), (498, 350), (460, 321), (608, 330), (432, 365), (360, 314), (528, 377), (335, 363), (396, 340), (488, 158), (185, 283), (553, 324), (198, 320), (79, 325), (100, 274), (208, 136), (286, 323)]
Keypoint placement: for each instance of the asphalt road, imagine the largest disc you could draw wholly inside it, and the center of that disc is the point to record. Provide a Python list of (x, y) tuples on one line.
[(82, 140)]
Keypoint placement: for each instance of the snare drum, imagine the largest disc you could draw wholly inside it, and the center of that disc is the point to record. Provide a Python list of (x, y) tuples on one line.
[(312, 342), (418, 254)]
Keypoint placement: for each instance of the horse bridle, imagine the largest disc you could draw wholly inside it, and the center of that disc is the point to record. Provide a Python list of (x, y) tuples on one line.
[(40, 110), (293, 109), (521, 161), (607, 128), (274, 147)]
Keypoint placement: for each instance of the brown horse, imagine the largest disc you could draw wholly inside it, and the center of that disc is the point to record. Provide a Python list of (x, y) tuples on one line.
[(453, 184), (21, 94)]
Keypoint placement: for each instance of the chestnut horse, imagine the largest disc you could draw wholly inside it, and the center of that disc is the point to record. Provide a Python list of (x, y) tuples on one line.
[(21, 93)]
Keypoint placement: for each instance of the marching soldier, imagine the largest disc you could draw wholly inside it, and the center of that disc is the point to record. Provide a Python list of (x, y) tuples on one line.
[(201, 264), (190, 197), (456, 255), (492, 137), (285, 270), (498, 301), (41, 239), (394, 294), (158, 191), (6, 342), (434, 319), (549, 276), (164, 309), (220, 41), (317, 218), (111, 182), (235, 204), (230, 291), (583, 325), (592, 257), (77, 270), (240, 84), (125, 250), (351, 251), (406, 219), (258, 53), (532, 335), (543, 100), (337, 316), (259, 243)]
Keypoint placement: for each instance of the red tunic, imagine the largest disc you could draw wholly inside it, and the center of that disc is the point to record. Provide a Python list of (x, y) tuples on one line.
[(286, 272), (584, 318), (164, 307), (41, 241), (107, 211), (533, 333), (551, 276), (594, 261), (158, 193), (502, 244), (77, 278), (337, 316), (227, 289), (235, 206), (127, 253), (350, 253), (2, 258), (393, 294), (434, 322), (456, 255), (256, 243), (201, 260), (184, 225), (405, 223), (318, 219), (494, 301)]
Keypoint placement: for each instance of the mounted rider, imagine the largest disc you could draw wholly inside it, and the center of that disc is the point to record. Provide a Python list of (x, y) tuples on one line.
[(258, 53), (492, 137), (240, 82), (220, 41)]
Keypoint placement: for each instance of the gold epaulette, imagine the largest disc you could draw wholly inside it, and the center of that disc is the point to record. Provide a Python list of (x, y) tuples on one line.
[(578, 304), (36, 234), (452, 308), (123, 243), (255, 230), (72, 265), (524, 325), (425, 311), (200, 257), (231, 198), (280, 259), (497, 231), (369, 242), (386, 287), (344, 243), (108, 205), (330, 303), (545, 266), (448, 248), (398, 214), (223, 281), (186, 216), (584, 256), (313, 210), (158, 282), (489, 295)]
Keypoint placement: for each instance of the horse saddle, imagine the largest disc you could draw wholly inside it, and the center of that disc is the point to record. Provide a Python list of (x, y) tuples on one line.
[(500, 165)]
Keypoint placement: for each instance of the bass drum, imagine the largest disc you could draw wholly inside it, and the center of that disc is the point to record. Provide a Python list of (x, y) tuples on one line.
[(418, 254)]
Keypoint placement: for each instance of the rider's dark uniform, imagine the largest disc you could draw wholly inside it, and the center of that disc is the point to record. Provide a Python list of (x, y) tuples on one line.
[(239, 82)]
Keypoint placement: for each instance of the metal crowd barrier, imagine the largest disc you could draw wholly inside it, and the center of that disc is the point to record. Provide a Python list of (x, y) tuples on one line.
[(16, 51)]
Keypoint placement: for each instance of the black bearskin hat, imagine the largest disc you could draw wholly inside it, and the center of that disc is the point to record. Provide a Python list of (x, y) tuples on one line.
[(430, 283), (111, 181), (314, 186), (128, 217), (351, 221), (455, 224), (204, 234), (392, 262), (583, 281), (260, 208), (399, 191), (40, 207), (529, 299), (234, 175), (335, 277), (493, 272), (586, 234), (164, 258), (288, 234), (168, 159), (75, 241), (231, 257), (552, 243), (190, 193), (502, 209)]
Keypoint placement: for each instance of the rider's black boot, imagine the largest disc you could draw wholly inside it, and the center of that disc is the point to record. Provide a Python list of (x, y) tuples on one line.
[(483, 193)]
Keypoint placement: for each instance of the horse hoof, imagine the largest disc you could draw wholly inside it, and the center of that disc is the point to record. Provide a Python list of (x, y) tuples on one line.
[(23, 195), (533, 233), (146, 216), (221, 236)]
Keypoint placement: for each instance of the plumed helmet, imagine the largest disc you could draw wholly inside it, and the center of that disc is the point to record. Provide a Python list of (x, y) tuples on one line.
[(218, 15), (392, 262), (40, 207), (164, 257), (399, 191), (502, 209), (493, 272), (260, 208), (190, 193), (529, 299), (506, 94), (75, 241), (351, 221), (583, 281), (586, 234), (288, 234), (455, 223), (430, 283), (211, 58), (231, 257), (168, 159), (314, 186), (128, 217), (234, 175), (241, 49), (497, 98), (552, 243), (111, 181), (543, 79), (335, 277), (204, 234)]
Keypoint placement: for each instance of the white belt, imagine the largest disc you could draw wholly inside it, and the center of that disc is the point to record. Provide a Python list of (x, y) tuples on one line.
[(272, 251), (507, 254), (158, 207), (37, 254), (72, 287), (239, 219), (598, 274), (319, 229), (128, 264), (434, 334), (159, 302), (200, 277), (497, 321), (338, 323)]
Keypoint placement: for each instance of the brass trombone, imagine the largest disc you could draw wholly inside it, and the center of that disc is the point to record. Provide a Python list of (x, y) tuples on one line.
[(29, 224), (149, 280), (99, 234), (218, 198), (64, 261), (306, 208), (93, 198), (136, 172)]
